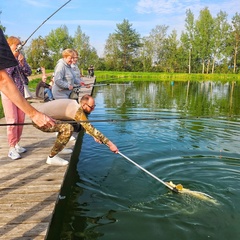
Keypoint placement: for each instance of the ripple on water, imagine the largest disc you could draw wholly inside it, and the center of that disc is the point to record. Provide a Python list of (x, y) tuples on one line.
[(202, 155)]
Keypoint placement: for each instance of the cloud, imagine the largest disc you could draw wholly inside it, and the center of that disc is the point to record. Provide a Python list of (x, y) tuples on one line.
[(164, 6), (167, 7), (37, 3)]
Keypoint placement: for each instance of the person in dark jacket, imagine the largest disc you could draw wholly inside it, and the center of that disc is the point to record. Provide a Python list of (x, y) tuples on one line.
[(44, 88)]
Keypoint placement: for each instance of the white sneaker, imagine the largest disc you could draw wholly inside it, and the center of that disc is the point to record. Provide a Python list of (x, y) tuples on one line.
[(72, 138), (57, 161), (13, 154), (66, 151), (20, 149)]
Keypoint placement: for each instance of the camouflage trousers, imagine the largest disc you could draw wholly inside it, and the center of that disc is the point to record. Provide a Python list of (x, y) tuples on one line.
[(64, 130)]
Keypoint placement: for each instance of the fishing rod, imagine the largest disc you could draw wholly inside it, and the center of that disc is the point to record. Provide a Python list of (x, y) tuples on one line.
[(127, 120), (20, 46), (105, 84)]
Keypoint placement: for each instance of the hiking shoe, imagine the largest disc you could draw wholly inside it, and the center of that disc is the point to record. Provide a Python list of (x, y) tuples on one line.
[(20, 149), (57, 161), (13, 154), (66, 151)]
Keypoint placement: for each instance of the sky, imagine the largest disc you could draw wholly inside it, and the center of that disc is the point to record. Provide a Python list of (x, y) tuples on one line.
[(99, 18)]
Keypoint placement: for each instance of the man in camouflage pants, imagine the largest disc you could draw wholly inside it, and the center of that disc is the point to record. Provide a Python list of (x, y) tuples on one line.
[(68, 109)]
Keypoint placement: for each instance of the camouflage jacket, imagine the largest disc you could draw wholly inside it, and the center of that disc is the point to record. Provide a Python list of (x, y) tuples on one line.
[(91, 130)]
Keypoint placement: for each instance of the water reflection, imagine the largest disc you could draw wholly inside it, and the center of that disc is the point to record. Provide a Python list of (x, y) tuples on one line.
[(82, 222), (188, 144), (191, 98)]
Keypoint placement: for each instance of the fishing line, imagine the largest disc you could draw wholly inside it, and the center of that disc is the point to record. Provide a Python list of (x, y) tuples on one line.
[(20, 46), (105, 84), (111, 79), (127, 120)]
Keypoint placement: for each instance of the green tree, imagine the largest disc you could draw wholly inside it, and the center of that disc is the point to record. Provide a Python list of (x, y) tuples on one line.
[(88, 55), (1, 26), (146, 54), (38, 54), (235, 40), (157, 37), (204, 38), (221, 35), (58, 40), (112, 53), (188, 37), (128, 41), (170, 53)]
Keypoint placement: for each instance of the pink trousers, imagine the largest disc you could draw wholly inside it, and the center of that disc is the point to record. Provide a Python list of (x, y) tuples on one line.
[(13, 115)]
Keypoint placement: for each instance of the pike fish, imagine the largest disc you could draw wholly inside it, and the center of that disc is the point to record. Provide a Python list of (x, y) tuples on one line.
[(200, 195)]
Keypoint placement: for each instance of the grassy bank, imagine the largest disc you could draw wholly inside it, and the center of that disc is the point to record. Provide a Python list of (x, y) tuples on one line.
[(139, 76)]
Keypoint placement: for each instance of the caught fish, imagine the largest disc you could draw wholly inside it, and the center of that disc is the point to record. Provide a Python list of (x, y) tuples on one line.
[(200, 195), (175, 188)]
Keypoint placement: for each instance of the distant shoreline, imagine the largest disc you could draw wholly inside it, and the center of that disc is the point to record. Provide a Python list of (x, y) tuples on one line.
[(154, 76)]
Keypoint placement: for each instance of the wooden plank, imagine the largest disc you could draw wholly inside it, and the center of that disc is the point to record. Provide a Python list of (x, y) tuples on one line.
[(29, 188), (18, 206), (27, 231)]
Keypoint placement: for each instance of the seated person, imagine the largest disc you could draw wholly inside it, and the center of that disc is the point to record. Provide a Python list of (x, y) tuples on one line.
[(38, 70), (44, 88), (91, 71), (68, 109)]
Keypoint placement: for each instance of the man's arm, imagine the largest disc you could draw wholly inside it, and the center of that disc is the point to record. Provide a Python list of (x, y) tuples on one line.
[(91, 130), (8, 87)]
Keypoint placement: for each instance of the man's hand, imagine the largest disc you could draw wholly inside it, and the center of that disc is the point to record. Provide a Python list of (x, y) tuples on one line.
[(43, 120), (112, 147), (96, 140), (21, 59)]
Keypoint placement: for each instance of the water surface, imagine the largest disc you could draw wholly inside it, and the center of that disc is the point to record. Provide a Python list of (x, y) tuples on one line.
[(194, 141)]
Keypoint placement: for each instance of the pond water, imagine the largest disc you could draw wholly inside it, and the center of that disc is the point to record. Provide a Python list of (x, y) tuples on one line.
[(194, 141)]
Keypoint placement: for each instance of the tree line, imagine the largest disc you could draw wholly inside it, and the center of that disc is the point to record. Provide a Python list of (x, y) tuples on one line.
[(207, 45)]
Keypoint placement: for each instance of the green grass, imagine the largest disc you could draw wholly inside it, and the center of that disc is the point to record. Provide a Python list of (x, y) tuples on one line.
[(139, 76), (33, 83)]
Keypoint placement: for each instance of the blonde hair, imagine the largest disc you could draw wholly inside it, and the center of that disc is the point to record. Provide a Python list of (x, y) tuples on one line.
[(13, 40), (67, 52)]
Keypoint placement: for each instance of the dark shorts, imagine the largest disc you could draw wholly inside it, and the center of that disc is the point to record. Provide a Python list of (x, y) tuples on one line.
[(6, 56)]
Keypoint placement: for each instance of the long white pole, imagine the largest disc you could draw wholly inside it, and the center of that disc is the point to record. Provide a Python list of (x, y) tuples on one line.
[(146, 171)]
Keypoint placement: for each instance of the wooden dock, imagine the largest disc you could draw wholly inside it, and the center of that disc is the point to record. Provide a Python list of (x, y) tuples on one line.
[(29, 188)]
